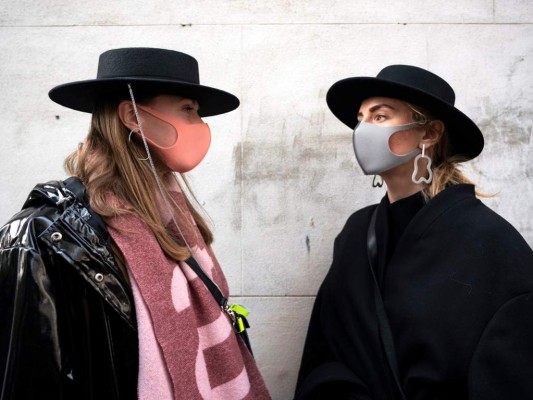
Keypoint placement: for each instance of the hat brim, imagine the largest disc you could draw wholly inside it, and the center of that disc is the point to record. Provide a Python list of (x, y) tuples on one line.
[(344, 99), (83, 95)]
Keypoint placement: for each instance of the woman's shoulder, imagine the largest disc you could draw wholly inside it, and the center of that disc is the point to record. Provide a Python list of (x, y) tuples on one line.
[(358, 221), (43, 206), (460, 207), (490, 227), (41, 203), (52, 194), (496, 251)]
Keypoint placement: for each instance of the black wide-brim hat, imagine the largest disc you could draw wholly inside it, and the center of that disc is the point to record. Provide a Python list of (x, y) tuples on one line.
[(418, 87), (150, 71)]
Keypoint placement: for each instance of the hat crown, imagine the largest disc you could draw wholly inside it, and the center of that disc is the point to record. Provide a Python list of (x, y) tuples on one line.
[(148, 63), (419, 79)]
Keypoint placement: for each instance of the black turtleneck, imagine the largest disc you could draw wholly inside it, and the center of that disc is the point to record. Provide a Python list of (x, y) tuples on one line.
[(391, 221)]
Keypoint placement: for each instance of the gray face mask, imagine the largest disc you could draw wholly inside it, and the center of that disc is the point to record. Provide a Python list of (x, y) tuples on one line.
[(371, 147)]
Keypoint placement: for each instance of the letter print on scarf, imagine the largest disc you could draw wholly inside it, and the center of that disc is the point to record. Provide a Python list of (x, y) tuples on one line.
[(188, 326)]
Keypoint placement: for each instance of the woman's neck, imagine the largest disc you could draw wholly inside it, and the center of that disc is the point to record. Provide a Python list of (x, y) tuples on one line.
[(399, 183)]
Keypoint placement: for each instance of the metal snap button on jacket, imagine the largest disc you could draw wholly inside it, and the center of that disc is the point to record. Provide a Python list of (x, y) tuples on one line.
[(56, 236)]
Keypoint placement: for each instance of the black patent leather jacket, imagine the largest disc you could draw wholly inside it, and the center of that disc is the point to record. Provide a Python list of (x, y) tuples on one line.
[(67, 317)]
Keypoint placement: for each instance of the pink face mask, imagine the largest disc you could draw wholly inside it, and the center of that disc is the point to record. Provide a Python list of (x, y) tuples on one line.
[(190, 146)]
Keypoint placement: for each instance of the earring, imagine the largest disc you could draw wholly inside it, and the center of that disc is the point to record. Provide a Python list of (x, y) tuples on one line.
[(129, 141), (378, 183), (428, 167), (133, 130)]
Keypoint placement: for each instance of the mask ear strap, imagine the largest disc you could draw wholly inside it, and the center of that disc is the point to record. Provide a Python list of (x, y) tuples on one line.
[(156, 113), (129, 141), (162, 116)]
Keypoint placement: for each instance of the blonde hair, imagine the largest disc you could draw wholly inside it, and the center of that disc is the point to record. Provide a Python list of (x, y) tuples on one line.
[(446, 171), (107, 161)]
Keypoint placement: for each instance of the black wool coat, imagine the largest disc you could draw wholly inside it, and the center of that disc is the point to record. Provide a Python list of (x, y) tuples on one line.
[(458, 291)]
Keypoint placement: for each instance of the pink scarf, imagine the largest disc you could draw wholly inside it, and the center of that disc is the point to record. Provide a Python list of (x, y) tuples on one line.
[(187, 346)]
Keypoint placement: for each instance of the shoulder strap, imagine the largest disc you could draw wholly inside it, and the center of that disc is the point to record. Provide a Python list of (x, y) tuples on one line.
[(383, 322), (239, 321), (213, 288)]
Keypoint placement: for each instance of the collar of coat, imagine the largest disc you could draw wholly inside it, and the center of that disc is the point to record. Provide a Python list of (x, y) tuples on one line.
[(79, 235)]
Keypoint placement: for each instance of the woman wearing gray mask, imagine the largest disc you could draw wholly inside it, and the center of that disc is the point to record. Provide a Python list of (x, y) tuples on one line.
[(428, 295)]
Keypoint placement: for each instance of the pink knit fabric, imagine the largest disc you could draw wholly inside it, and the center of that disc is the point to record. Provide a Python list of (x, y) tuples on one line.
[(187, 346), (154, 380)]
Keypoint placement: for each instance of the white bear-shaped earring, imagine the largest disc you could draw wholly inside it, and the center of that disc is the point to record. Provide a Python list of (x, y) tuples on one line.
[(428, 166)]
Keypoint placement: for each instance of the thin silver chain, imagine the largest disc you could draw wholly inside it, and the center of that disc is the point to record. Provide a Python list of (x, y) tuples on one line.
[(160, 186), (152, 166)]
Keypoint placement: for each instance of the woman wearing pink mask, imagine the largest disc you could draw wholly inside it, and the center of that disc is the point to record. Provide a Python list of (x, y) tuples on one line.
[(110, 289), (429, 293)]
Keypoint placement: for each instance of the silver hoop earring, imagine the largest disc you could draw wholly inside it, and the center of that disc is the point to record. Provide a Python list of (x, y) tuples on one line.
[(428, 167), (129, 141), (133, 130), (378, 183)]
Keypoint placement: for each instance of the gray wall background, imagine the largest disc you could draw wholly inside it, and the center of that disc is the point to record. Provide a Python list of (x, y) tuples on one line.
[(280, 178)]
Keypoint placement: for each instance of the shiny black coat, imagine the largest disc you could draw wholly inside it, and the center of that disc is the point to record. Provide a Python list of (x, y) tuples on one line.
[(67, 318)]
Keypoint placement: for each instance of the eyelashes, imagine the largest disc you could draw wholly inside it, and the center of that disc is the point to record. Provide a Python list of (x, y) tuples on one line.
[(378, 118), (190, 107)]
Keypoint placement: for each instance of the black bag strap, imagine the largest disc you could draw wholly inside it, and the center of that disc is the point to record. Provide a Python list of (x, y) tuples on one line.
[(221, 300), (208, 282), (383, 321)]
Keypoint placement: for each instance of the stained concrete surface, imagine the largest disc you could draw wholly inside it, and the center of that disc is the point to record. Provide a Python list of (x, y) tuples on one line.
[(280, 178)]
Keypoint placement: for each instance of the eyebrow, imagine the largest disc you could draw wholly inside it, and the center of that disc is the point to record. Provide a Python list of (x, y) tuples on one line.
[(377, 107), (186, 99)]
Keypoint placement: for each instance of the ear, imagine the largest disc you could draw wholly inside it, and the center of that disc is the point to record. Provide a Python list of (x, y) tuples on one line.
[(126, 114), (434, 132)]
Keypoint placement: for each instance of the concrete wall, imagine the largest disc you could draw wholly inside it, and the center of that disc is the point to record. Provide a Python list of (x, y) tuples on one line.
[(281, 178)]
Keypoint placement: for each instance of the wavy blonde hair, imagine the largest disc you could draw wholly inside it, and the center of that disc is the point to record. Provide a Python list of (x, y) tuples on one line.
[(107, 161), (446, 171)]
